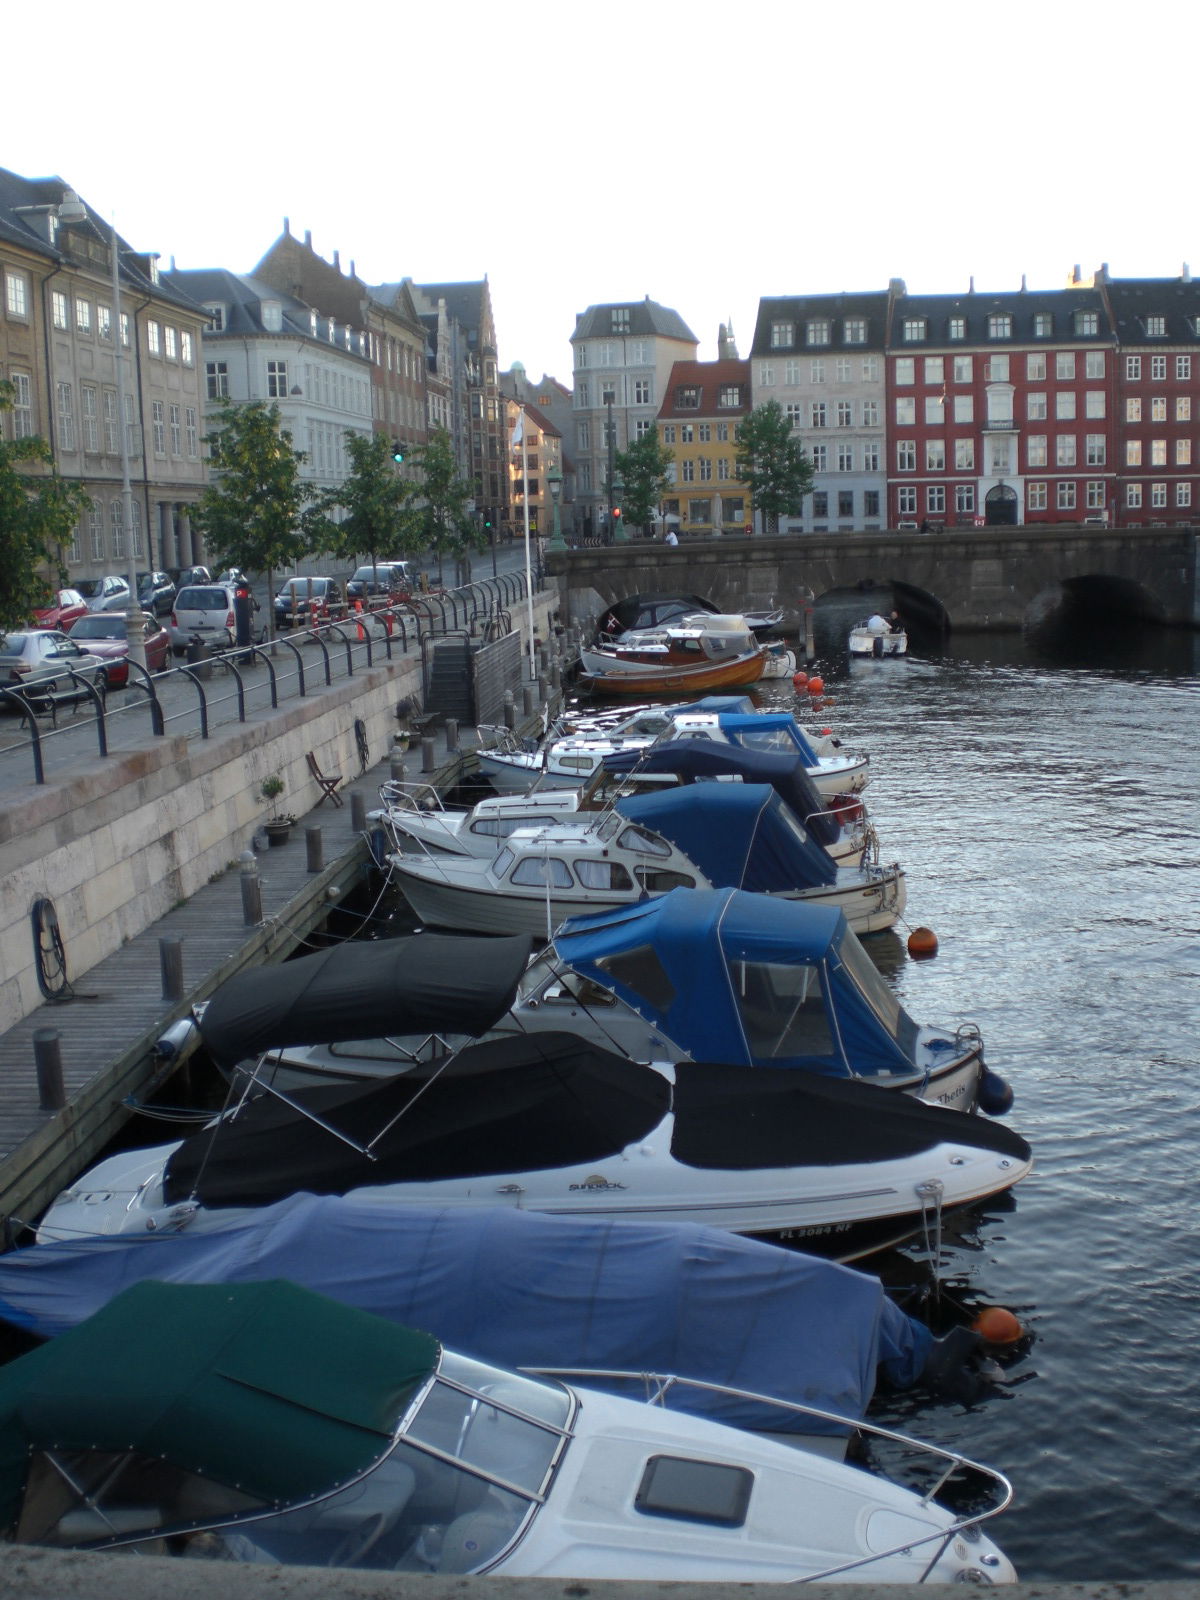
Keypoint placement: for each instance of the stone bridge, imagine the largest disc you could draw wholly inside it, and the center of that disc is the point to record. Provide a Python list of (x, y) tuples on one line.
[(968, 578)]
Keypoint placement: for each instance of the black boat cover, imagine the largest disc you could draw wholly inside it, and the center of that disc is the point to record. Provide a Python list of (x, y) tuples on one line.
[(424, 983), (549, 1100)]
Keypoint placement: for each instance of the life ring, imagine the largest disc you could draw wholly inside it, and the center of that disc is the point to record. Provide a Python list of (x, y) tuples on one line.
[(49, 955)]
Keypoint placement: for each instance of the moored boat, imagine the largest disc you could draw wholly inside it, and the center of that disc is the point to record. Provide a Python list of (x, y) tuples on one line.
[(697, 653), (877, 636)]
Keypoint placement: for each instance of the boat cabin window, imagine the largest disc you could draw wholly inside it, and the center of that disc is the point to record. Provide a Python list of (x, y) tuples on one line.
[(583, 764), (602, 875), (661, 880), (782, 1010), (695, 1491), (542, 870), (776, 741), (643, 972), (504, 860), (873, 986), (644, 843)]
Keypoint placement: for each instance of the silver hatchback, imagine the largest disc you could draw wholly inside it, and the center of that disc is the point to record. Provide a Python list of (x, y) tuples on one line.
[(48, 668)]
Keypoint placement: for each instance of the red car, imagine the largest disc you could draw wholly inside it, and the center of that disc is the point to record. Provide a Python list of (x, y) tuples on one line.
[(66, 608), (102, 633)]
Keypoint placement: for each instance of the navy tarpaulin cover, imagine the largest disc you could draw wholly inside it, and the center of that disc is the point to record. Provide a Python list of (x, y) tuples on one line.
[(694, 760), (522, 1289), (509, 1105), (659, 954), (740, 835), (424, 983), (768, 730)]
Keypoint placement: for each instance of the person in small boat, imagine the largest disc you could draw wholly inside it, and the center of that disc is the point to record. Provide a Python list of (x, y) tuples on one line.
[(877, 623), (894, 623), (671, 537)]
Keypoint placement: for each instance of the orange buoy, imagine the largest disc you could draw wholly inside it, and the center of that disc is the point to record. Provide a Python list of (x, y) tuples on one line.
[(922, 942), (799, 679), (816, 685), (996, 1325)]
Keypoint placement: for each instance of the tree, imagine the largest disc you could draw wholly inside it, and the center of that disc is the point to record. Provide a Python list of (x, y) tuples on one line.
[(38, 510), (375, 498), (252, 515), (772, 464), (643, 473), (439, 518)]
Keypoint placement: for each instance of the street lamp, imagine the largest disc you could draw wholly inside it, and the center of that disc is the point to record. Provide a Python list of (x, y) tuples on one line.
[(620, 533), (554, 483)]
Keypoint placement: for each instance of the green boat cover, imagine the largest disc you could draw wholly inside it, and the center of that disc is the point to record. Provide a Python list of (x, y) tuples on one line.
[(265, 1387)]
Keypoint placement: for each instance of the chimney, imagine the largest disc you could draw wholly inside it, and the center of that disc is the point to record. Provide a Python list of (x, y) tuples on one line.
[(971, 286), (308, 238), (337, 261), (1186, 275), (287, 227), (1022, 283), (1076, 275), (353, 272)]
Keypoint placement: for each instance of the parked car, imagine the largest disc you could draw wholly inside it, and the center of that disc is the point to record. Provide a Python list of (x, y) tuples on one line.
[(110, 593), (104, 634), (205, 611), (49, 667), (67, 607), (302, 601), (191, 575), (156, 591), (386, 581)]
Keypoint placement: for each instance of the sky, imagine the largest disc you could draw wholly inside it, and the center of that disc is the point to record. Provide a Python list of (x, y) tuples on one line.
[(705, 156)]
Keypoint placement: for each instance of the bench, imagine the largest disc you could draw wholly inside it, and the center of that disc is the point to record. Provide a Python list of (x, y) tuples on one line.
[(326, 782)]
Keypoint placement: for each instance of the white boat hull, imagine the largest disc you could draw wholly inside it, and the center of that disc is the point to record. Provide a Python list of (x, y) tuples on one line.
[(870, 642)]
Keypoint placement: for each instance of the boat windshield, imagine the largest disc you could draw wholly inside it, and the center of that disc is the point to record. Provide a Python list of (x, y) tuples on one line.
[(874, 989)]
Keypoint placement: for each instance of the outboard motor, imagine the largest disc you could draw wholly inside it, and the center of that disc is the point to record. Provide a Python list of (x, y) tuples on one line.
[(877, 645)]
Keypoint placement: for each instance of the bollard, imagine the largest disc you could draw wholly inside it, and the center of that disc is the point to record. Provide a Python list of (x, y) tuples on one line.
[(510, 710), (170, 960), (47, 1054), (314, 847), (556, 676), (451, 736), (428, 757), (527, 700), (541, 689), (251, 890), (358, 812), (396, 769)]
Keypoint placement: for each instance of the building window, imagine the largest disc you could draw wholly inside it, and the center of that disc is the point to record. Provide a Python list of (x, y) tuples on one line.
[(59, 309), (16, 295), (705, 465), (794, 412), (641, 391), (1158, 452), (964, 455), (154, 338), (845, 458), (1035, 496), (913, 330), (906, 455), (1093, 364), (854, 330), (964, 499), (1064, 405), (905, 370), (1158, 368), (1035, 406), (217, 377), (999, 325), (733, 509), (722, 433), (1183, 494), (687, 397), (112, 436), (1064, 366), (723, 471), (668, 433), (783, 335), (186, 348), (607, 354), (820, 503), (1133, 409), (1087, 323), (1158, 409), (1043, 325), (1035, 367), (870, 413), (996, 369), (766, 375), (1156, 327), (687, 470), (820, 457), (1066, 496), (687, 433), (176, 432), (83, 316), (964, 408), (816, 372), (66, 417), (1158, 495), (841, 369), (729, 396), (845, 414), (582, 395), (906, 411), (620, 319), (935, 500), (817, 331), (193, 445), (906, 502), (1183, 452), (870, 502), (817, 416), (1097, 449), (277, 387), (642, 427), (935, 455), (935, 370), (1183, 367), (1133, 495), (89, 406), (1095, 495), (1064, 450), (870, 369), (791, 374), (170, 343), (1094, 403), (1133, 368), (935, 410), (158, 420), (845, 502), (964, 369), (1133, 452), (870, 456), (117, 530), (1035, 450), (958, 328)]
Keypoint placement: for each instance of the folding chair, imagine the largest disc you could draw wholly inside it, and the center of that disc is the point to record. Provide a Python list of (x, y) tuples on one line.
[(326, 784)]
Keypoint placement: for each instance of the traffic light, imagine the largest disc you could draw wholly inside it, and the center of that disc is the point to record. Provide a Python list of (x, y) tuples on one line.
[(616, 513), (397, 450), (487, 517)]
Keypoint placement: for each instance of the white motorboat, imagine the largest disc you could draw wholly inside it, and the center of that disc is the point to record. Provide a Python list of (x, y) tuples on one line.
[(705, 836), (700, 652), (263, 1423), (549, 1122), (877, 636)]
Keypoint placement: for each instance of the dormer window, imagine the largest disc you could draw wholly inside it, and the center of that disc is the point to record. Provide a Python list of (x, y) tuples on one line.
[(1086, 322), (1043, 325), (216, 319), (729, 396), (817, 332), (1156, 327), (1000, 325), (914, 329), (783, 335), (687, 398), (620, 319), (272, 316)]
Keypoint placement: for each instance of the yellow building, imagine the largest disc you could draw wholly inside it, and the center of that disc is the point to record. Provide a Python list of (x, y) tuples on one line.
[(698, 419)]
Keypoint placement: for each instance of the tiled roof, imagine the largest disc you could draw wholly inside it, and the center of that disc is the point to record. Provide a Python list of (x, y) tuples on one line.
[(1135, 300), (706, 379), (636, 318)]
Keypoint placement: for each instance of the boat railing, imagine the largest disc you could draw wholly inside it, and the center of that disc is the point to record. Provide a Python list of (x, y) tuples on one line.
[(941, 1462)]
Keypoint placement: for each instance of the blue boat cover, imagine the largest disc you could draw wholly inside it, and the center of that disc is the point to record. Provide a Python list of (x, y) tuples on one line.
[(658, 955), (521, 1289), (696, 760), (768, 730), (740, 835)]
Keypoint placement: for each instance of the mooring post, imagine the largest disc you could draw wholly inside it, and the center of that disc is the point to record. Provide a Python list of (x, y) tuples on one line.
[(527, 701), (358, 811), (451, 736), (428, 754), (314, 845), (510, 710), (251, 890), (47, 1055), (170, 960)]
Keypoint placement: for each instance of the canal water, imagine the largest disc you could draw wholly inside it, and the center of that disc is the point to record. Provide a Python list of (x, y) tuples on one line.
[(1043, 800)]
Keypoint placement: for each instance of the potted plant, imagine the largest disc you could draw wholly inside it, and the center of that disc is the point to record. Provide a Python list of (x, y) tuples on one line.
[(278, 825)]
